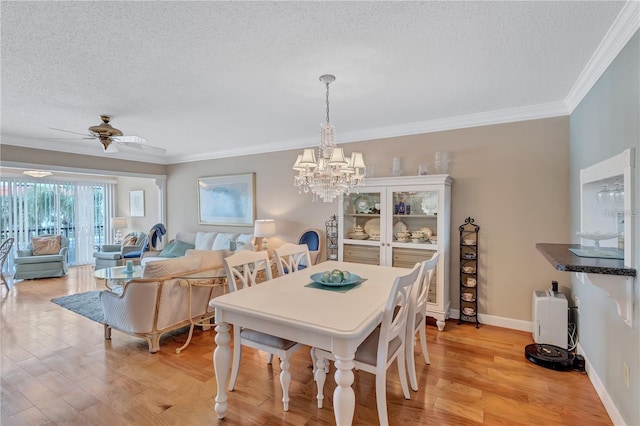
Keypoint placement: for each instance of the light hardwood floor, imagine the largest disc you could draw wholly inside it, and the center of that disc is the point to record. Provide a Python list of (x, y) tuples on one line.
[(58, 370)]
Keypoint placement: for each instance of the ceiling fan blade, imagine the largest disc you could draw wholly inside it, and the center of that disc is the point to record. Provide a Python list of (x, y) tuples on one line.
[(69, 131), (130, 138), (142, 147)]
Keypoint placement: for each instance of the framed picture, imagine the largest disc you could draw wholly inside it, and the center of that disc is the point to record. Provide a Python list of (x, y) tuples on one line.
[(227, 200), (136, 203)]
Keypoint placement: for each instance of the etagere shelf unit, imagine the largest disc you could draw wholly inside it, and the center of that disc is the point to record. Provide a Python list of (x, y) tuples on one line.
[(469, 272)]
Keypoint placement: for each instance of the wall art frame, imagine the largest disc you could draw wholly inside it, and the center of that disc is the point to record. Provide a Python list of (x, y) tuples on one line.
[(136, 203), (227, 200)]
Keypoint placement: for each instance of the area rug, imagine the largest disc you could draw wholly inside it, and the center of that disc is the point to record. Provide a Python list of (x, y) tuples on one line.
[(86, 304)]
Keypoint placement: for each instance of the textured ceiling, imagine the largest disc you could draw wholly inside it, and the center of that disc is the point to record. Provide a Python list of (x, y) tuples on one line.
[(214, 79)]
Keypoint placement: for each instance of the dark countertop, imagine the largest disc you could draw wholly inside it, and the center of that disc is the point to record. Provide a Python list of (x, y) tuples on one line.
[(563, 260)]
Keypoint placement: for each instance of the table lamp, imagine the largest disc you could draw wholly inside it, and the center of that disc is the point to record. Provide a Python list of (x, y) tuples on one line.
[(118, 223), (264, 228)]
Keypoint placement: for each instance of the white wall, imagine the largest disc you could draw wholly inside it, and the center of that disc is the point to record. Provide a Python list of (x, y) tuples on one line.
[(512, 178), (605, 123), (151, 203)]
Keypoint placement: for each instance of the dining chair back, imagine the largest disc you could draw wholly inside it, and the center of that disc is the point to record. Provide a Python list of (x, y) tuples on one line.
[(416, 320), (313, 239), (5, 249), (244, 266), (384, 345), (292, 258), (242, 270)]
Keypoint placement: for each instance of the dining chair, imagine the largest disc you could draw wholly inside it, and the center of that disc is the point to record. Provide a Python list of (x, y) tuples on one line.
[(292, 257), (242, 269), (416, 317), (313, 239), (384, 345), (5, 249)]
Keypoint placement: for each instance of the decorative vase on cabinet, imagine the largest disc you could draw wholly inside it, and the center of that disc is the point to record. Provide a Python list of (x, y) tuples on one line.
[(399, 221)]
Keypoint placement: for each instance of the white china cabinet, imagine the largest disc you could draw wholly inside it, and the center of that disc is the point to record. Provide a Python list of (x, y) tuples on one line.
[(399, 221)]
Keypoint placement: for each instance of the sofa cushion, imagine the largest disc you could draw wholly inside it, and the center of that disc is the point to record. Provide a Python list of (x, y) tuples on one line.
[(204, 240), (210, 259), (222, 241), (175, 248), (45, 245), (244, 240), (187, 237), (171, 267)]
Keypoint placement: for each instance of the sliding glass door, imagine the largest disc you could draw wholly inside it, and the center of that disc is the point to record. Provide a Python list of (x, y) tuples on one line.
[(74, 209)]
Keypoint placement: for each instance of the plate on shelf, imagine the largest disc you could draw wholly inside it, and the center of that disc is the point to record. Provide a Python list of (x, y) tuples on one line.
[(428, 232), (363, 204), (358, 236), (372, 226), (317, 278), (399, 227)]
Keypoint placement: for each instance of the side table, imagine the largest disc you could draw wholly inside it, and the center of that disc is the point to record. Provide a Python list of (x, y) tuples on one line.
[(213, 278)]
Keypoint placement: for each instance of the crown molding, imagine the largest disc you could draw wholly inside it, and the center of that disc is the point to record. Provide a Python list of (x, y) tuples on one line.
[(510, 115), (624, 27)]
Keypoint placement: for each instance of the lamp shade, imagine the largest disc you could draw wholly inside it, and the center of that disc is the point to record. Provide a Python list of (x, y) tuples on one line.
[(264, 228), (119, 222)]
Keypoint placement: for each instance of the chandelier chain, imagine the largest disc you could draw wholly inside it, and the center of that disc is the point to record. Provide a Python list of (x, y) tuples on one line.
[(327, 84)]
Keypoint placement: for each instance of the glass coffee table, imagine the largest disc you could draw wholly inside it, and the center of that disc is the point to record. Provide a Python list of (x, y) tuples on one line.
[(118, 275)]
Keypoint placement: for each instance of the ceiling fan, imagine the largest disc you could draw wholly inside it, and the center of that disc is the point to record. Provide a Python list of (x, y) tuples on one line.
[(109, 137)]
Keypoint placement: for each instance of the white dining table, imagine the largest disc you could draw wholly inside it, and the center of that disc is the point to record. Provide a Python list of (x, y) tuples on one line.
[(336, 319)]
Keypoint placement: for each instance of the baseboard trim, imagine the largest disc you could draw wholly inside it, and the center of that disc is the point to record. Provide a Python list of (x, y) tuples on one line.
[(510, 323), (601, 390)]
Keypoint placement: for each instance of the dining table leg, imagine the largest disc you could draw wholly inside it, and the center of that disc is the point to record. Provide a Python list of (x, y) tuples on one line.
[(344, 399), (221, 364)]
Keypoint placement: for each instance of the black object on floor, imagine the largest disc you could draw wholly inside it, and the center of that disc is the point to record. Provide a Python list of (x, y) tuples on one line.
[(549, 356)]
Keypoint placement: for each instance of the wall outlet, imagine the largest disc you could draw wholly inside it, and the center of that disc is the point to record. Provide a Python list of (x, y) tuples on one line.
[(626, 374), (577, 303)]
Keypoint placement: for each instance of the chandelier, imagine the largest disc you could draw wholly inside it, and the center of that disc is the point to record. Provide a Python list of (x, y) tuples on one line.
[(332, 174)]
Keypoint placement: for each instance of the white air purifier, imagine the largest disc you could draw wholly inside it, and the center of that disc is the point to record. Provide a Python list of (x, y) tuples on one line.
[(550, 318)]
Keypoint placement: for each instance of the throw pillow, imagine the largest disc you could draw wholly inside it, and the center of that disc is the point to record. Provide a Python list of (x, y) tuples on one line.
[(171, 267), (45, 245), (244, 240), (204, 240), (175, 248), (222, 241), (129, 240)]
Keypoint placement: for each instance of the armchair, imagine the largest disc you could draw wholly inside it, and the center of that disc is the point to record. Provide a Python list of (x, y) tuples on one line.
[(109, 255), (30, 265)]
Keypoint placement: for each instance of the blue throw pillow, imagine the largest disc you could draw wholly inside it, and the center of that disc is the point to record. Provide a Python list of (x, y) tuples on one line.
[(176, 248)]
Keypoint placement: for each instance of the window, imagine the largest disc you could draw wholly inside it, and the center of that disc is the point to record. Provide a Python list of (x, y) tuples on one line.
[(74, 209)]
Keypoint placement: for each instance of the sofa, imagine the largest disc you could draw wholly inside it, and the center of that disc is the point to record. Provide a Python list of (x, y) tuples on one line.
[(200, 241), (156, 304), (109, 255), (44, 257)]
